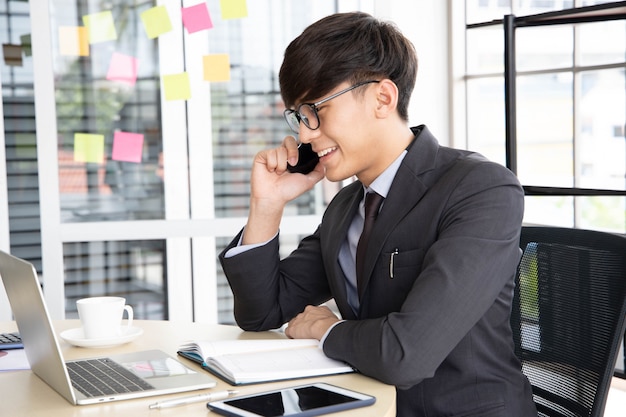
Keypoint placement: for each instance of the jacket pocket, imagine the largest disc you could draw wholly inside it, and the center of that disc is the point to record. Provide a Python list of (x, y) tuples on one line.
[(492, 410)]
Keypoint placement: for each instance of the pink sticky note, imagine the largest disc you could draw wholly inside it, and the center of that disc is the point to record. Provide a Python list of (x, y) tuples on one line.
[(197, 18), (123, 68), (127, 147)]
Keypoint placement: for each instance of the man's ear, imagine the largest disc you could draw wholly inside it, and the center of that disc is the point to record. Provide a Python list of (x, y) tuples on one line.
[(386, 98)]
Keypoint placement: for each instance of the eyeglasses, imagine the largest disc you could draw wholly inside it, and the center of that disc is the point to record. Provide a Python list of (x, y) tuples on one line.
[(307, 112)]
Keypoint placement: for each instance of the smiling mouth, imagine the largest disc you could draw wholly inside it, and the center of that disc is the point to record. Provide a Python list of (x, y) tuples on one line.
[(326, 152)]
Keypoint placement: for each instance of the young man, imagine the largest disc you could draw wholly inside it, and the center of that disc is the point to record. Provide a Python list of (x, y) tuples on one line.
[(430, 311)]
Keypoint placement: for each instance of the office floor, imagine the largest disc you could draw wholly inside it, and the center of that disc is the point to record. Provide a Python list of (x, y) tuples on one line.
[(616, 403)]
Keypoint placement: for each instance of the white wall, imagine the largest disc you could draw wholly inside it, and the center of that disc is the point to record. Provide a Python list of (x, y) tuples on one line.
[(425, 23)]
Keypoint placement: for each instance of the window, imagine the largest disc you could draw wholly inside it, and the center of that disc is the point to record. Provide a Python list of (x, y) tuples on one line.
[(570, 113), (147, 219), (570, 110), (123, 166)]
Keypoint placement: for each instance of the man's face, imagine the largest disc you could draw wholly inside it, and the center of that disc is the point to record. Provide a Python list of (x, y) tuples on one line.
[(344, 140)]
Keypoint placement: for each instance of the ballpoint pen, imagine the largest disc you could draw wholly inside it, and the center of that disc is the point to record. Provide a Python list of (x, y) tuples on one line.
[(212, 396)]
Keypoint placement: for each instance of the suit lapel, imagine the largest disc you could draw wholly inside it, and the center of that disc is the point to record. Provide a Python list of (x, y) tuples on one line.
[(406, 191), (338, 221), (336, 224)]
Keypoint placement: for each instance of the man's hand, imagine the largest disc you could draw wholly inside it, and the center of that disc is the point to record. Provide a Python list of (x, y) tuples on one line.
[(270, 179), (312, 323), (272, 187)]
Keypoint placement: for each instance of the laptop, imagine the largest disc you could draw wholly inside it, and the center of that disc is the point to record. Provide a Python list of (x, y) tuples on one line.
[(133, 375)]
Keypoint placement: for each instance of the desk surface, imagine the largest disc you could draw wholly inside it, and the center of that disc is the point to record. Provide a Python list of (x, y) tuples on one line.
[(24, 394)]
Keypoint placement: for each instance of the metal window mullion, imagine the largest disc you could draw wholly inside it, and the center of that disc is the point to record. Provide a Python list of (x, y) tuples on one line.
[(175, 170), (47, 159), (202, 190), (5, 243), (576, 122), (510, 94)]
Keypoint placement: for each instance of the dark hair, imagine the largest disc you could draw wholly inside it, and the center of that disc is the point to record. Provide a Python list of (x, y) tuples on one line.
[(347, 47)]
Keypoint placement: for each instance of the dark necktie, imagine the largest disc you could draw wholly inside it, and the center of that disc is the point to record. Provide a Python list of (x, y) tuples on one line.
[(372, 205)]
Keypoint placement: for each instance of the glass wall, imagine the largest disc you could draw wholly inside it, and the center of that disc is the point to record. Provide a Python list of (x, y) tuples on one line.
[(106, 82), (132, 269), (571, 108), (247, 114), (130, 171), (18, 100)]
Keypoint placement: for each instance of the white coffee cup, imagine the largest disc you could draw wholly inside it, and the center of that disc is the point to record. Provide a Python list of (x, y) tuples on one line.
[(101, 317)]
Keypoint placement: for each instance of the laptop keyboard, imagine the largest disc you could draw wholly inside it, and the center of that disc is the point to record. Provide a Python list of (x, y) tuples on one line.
[(96, 377), (10, 341)]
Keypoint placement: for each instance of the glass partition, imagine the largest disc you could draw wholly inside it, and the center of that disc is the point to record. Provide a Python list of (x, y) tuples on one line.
[(107, 93), (18, 103), (134, 270), (117, 172)]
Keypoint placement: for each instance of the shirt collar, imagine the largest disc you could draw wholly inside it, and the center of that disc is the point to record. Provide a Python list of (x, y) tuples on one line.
[(382, 183)]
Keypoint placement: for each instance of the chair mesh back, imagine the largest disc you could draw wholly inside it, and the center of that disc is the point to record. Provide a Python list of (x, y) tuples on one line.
[(568, 316)]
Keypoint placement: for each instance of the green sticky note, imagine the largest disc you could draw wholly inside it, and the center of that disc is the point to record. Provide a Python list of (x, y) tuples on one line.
[(156, 21), (100, 27), (177, 86), (234, 9), (88, 148), (26, 45)]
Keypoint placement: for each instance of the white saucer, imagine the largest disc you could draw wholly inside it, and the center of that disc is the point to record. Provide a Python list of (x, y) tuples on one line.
[(76, 337)]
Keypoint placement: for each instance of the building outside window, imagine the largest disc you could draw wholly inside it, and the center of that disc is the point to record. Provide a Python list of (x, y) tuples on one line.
[(571, 108)]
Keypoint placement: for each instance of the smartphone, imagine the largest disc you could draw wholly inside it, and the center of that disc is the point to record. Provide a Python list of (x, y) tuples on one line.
[(301, 401), (307, 160)]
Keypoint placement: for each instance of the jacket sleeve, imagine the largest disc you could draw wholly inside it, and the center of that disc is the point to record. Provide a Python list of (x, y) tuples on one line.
[(269, 291)]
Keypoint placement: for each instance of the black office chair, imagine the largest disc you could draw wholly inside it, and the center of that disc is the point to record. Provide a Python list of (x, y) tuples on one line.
[(569, 315)]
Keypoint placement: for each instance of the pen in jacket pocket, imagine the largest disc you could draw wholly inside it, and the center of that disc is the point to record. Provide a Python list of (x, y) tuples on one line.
[(393, 254)]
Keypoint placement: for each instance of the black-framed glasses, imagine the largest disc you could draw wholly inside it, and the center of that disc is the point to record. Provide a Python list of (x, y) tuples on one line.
[(307, 112)]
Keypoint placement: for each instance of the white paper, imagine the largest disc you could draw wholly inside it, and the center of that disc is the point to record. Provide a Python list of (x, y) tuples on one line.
[(13, 360)]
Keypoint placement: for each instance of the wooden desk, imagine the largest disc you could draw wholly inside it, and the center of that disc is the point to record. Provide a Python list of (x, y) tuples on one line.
[(22, 393)]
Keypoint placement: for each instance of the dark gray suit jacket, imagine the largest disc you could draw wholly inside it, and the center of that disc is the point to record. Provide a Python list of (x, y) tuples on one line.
[(438, 329)]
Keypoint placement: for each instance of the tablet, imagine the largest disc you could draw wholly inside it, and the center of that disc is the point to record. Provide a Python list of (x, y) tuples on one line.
[(301, 401)]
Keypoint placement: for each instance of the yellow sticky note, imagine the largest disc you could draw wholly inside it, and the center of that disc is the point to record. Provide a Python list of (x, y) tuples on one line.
[(156, 21), (88, 148), (73, 41), (216, 67), (177, 86), (233, 9), (100, 27)]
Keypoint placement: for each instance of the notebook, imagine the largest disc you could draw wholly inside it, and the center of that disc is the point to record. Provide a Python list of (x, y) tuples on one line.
[(137, 375)]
